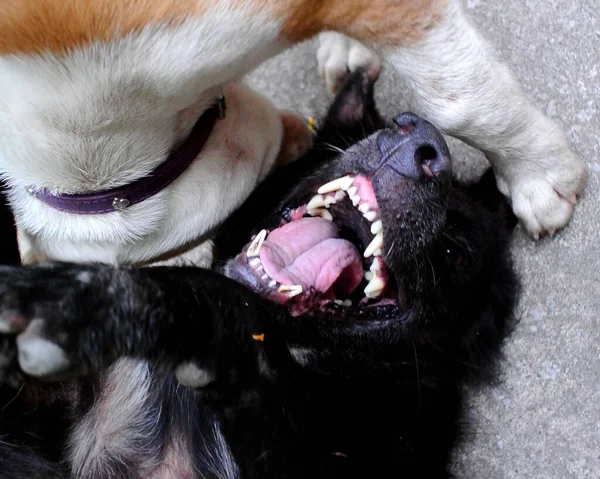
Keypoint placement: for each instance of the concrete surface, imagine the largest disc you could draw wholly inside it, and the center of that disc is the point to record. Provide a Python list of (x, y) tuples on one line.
[(543, 419)]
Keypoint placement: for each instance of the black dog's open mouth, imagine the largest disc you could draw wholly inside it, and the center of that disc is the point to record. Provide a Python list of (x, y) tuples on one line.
[(327, 254)]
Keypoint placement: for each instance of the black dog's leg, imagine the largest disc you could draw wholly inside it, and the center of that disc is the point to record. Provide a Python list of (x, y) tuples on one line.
[(71, 320)]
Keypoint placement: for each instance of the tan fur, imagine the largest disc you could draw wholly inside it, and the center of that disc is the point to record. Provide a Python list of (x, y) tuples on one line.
[(386, 22), (296, 138), (59, 26)]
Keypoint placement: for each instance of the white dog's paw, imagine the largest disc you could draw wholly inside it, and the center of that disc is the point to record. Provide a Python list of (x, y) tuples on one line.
[(544, 199), (338, 55)]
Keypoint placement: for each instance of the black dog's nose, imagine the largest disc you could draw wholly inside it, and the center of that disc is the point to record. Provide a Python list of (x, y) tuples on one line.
[(416, 149)]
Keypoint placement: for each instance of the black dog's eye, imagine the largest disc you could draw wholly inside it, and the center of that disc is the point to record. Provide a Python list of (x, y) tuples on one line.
[(455, 254)]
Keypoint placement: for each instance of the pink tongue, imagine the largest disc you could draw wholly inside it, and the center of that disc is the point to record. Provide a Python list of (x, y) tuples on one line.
[(308, 252)]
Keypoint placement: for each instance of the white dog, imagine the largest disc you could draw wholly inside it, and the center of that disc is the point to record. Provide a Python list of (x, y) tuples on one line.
[(114, 151)]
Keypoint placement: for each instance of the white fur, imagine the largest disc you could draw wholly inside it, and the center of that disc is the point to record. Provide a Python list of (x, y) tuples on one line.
[(460, 86), (123, 425), (109, 113)]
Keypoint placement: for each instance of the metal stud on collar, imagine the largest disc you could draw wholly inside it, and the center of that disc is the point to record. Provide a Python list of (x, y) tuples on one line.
[(120, 203)]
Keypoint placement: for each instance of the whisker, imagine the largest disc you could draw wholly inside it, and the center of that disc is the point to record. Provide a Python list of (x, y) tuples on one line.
[(333, 147)]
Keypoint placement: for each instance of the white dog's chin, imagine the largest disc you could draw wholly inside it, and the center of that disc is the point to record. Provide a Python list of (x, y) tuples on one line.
[(171, 226)]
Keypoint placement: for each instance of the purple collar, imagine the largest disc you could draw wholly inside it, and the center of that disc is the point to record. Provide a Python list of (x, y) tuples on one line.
[(118, 199)]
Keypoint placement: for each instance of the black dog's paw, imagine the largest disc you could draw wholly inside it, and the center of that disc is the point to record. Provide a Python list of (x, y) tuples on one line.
[(45, 313)]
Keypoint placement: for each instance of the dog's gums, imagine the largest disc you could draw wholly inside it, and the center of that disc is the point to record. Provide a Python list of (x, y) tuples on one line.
[(326, 254)]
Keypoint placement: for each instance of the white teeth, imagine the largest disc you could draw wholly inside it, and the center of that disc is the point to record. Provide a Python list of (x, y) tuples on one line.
[(317, 201), (346, 302), (352, 191), (254, 262), (290, 290), (256, 244), (368, 275), (375, 266), (376, 227), (370, 215), (265, 277), (356, 200), (322, 213), (259, 269), (339, 195), (329, 200), (375, 287), (272, 283), (363, 208), (342, 183), (377, 252), (376, 244)]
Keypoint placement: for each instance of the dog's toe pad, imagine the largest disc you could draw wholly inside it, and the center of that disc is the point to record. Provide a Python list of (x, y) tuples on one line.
[(39, 357), (191, 375)]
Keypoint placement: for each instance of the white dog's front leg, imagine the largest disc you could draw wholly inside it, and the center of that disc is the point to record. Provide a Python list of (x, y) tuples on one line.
[(28, 250), (460, 86)]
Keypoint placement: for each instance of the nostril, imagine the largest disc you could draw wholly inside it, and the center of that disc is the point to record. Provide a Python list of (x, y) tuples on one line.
[(407, 123), (424, 156)]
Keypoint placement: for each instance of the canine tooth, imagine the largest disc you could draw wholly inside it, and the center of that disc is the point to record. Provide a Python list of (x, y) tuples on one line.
[(329, 200), (375, 266), (376, 227), (363, 208), (322, 213), (375, 287), (347, 302), (355, 200), (317, 201), (368, 275), (370, 215), (256, 244), (290, 290), (254, 262), (352, 191), (376, 244), (339, 195), (342, 183)]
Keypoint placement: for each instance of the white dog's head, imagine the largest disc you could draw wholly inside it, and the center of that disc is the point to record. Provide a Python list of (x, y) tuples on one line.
[(105, 114)]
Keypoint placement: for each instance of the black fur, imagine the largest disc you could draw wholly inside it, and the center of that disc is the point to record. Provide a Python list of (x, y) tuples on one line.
[(330, 393)]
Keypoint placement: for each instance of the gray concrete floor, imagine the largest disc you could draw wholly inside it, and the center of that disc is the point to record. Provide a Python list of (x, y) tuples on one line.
[(543, 419)]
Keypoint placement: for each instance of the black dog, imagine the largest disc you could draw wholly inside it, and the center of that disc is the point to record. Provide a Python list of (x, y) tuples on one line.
[(335, 344)]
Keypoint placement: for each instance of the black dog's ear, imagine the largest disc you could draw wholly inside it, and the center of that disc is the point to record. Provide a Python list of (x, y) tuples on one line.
[(353, 112), (486, 191)]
